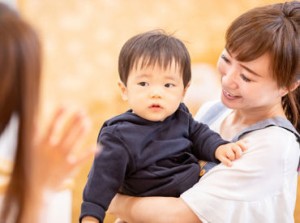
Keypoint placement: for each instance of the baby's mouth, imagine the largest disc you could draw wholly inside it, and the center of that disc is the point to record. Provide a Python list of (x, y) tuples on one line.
[(155, 106)]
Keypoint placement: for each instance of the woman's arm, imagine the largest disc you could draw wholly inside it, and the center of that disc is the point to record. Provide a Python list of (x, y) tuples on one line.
[(163, 209)]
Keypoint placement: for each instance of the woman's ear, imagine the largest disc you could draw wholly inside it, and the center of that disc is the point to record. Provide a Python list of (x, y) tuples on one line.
[(283, 91), (295, 85), (123, 89)]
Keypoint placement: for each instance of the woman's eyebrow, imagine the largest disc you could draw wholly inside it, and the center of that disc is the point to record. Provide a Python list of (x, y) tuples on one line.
[(249, 70), (245, 67)]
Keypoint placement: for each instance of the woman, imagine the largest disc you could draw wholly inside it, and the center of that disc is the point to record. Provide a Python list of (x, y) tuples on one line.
[(43, 161), (260, 77)]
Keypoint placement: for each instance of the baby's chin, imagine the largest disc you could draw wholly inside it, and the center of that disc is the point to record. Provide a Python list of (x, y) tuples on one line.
[(154, 118)]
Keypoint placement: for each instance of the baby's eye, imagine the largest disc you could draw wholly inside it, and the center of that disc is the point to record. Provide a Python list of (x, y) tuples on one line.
[(168, 85), (143, 84)]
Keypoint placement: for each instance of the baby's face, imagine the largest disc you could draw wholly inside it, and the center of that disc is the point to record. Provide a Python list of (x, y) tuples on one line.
[(154, 92)]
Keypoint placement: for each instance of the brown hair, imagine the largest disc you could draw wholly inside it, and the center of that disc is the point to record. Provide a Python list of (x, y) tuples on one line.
[(20, 67), (273, 29), (154, 47)]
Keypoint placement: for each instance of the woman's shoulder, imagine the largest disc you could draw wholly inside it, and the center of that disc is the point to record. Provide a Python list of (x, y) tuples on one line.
[(209, 111), (204, 108), (274, 128), (273, 134), (274, 141)]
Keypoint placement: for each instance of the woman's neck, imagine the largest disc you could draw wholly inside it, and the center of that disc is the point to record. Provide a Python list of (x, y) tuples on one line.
[(239, 119)]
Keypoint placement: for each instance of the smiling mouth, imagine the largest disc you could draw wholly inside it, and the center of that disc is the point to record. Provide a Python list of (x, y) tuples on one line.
[(229, 96)]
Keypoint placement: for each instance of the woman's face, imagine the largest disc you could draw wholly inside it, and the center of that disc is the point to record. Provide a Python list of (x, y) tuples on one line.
[(249, 85)]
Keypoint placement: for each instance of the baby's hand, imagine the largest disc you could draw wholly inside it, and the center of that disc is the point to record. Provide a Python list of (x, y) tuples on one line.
[(228, 152)]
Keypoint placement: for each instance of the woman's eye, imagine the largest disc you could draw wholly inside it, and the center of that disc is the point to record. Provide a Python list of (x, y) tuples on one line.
[(169, 85), (246, 79), (225, 58), (143, 84)]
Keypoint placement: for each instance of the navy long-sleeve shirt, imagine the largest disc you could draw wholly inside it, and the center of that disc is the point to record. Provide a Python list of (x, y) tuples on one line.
[(145, 158)]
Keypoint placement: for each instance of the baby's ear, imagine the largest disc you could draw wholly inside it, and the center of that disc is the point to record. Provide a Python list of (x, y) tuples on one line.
[(186, 88), (123, 89)]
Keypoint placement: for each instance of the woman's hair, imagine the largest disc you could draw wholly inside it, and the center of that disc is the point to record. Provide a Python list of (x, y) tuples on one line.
[(272, 29), (151, 48), (20, 67)]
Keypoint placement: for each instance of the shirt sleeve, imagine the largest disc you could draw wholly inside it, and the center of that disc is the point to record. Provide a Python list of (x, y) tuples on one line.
[(258, 187), (205, 141), (105, 177)]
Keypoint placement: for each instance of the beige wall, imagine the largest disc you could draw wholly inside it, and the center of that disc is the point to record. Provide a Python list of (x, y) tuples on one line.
[(82, 40)]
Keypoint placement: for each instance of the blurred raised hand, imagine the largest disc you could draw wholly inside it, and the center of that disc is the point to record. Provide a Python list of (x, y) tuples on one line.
[(58, 154)]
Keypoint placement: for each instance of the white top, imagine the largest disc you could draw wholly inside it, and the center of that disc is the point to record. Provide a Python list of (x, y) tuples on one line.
[(259, 187), (59, 208)]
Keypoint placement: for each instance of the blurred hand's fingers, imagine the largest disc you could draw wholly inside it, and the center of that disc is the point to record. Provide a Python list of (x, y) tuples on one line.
[(53, 126), (74, 131), (78, 160)]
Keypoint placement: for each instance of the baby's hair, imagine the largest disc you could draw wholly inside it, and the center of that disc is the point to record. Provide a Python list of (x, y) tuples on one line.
[(151, 48)]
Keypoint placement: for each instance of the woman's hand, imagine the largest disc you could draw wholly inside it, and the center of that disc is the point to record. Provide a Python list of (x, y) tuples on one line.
[(57, 154), (151, 209), (89, 219)]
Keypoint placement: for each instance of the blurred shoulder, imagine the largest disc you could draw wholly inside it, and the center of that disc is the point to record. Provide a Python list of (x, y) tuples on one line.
[(204, 108)]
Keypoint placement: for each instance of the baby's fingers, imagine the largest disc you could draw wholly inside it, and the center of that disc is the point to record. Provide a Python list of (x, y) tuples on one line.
[(242, 144), (237, 152), (226, 161), (232, 153)]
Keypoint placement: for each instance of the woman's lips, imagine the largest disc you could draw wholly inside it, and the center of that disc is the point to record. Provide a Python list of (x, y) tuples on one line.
[(229, 96)]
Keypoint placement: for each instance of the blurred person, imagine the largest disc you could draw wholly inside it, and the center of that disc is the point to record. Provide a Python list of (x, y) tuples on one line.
[(43, 159)]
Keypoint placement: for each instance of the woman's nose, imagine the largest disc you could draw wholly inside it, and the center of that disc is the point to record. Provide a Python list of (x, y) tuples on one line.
[(229, 78)]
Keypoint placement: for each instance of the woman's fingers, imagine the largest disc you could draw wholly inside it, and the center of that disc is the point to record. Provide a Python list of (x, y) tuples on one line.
[(59, 153), (54, 125), (79, 159), (71, 136)]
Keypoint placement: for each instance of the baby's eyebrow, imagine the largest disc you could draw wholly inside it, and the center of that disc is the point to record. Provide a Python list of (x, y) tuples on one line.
[(172, 78), (143, 75)]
